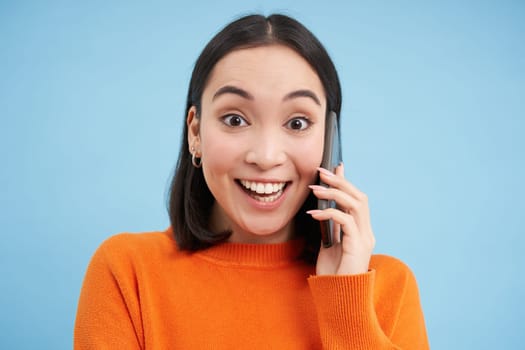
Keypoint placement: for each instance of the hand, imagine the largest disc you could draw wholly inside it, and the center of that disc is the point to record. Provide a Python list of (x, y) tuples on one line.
[(350, 254)]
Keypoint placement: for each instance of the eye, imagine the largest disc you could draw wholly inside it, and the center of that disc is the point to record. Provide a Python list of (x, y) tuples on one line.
[(234, 120), (298, 123)]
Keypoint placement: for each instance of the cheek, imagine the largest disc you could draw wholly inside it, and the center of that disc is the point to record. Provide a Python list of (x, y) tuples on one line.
[(308, 157), (219, 153)]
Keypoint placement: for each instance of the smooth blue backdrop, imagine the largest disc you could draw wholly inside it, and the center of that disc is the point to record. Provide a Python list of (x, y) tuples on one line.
[(92, 103)]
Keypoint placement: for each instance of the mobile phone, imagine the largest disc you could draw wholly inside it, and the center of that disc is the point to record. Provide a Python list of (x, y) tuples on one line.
[(332, 157)]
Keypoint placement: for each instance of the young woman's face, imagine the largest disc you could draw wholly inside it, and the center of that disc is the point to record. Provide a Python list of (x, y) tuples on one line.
[(260, 137)]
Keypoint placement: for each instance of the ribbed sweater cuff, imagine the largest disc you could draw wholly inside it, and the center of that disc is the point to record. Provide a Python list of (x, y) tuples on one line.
[(345, 310)]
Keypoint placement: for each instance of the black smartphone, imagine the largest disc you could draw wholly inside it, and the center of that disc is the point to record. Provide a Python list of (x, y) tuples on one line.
[(332, 157)]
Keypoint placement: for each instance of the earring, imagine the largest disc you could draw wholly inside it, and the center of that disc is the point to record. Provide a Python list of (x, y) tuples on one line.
[(196, 161)]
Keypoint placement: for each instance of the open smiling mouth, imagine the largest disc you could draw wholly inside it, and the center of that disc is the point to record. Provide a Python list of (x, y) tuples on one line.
[(263, 191)]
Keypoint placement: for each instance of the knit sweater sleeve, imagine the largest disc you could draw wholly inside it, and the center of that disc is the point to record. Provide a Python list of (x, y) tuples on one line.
[(108, 317), (379, 309)]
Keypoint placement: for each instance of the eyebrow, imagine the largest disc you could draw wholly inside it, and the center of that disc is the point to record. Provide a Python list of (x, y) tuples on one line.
[(302, 93), (229, 89)]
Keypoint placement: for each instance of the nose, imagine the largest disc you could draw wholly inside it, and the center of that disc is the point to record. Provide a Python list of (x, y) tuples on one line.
[(266, 150)]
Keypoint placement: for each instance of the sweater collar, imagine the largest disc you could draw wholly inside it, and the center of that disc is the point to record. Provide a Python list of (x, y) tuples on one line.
[(254, 255)]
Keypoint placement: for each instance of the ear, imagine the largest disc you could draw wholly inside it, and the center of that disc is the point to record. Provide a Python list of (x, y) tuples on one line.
[(193, 123)]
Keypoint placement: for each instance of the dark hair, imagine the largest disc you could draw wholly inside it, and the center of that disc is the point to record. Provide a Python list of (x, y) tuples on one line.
[(190, 200)]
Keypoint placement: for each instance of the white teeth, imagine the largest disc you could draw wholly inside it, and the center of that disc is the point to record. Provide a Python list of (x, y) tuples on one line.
[(263, 187), (269, 198), (260, 188)]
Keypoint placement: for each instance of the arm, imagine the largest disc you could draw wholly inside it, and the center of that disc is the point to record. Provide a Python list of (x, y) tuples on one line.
[(108, 314), (357, 307), (374, 310)]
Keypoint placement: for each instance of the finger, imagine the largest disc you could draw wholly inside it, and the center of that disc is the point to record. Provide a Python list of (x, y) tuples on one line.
[(349, 233), (335, 180), (344, 201), (347, 222), (337, 232)]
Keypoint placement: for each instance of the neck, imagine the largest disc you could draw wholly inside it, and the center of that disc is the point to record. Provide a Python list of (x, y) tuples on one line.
[(242, 236), (220, 222)]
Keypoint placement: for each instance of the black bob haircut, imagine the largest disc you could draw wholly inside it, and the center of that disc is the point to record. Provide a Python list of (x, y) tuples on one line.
[(190, 201)]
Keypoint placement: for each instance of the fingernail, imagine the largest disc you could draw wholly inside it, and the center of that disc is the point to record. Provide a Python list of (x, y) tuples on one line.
[(324, 171), (317, 187), (313, 211)]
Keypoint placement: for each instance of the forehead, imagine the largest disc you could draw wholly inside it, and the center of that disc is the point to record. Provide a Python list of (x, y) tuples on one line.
[(276, 67)]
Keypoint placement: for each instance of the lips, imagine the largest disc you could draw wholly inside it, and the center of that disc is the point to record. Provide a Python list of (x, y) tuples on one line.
[(263, 191)]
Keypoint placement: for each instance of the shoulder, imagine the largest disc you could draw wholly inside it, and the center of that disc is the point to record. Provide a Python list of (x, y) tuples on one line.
[(391, 271), (129, 247), (386, 263), (392, 276), (127, 241)]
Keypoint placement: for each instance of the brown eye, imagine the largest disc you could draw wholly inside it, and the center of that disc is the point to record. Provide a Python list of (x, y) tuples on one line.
[(234, 120), (300, 123)]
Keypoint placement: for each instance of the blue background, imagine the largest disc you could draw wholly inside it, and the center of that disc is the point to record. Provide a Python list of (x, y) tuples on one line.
[(92, 102)]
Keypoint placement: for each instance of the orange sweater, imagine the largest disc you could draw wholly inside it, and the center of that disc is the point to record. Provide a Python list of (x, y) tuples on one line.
[(141, 292)]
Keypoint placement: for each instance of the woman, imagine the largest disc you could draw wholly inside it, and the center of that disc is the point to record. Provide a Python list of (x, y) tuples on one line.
[(241, 265)]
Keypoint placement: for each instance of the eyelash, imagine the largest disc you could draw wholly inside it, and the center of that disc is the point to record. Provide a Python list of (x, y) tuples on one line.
[(303, 119), (228, 118)]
